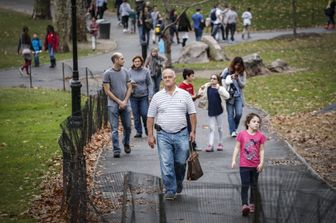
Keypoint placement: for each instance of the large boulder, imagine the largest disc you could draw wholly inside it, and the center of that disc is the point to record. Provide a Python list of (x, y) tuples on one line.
[(278, 66), (215, 50), (195, 52), (254, 65)]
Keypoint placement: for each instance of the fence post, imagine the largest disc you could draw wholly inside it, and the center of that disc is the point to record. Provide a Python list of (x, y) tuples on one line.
[(63, 76), (30, 77), (87, 81)]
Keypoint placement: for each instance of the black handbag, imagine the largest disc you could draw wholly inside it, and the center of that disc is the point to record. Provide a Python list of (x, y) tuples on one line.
[(194, 171)]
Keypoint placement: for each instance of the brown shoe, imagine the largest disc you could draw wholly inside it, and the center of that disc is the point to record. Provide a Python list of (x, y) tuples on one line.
[(127, 148)]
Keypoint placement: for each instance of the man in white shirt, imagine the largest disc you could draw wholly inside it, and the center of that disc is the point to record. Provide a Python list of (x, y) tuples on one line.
[(169, 106), (216, 23), (247, 17)]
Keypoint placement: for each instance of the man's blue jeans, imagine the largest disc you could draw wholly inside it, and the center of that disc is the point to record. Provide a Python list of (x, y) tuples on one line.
[(234, 113), (37, 59), (198, 34), (144, 34), (125, 115), (139, 109), (173, 151), (215, 30)]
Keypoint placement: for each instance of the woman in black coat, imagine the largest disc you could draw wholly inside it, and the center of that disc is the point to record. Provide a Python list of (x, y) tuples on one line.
[(184, 27)]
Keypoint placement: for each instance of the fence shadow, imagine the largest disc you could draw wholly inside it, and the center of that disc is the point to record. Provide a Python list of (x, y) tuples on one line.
[(284, 195)]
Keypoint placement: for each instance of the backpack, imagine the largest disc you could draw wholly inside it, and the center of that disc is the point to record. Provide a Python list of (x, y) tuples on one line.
[(213, 15), (231, 88), (225, 73)]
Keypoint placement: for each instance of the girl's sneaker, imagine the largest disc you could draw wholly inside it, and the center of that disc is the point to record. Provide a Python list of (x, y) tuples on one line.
[(252, 208), (220, 147), (209, 148), (20, 71), (245, 210)]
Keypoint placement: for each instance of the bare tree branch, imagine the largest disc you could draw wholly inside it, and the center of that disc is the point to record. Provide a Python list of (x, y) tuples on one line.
[(165, 34), (184, 10)]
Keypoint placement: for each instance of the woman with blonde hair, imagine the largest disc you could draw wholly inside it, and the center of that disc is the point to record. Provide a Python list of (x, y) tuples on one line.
[(155, 64)]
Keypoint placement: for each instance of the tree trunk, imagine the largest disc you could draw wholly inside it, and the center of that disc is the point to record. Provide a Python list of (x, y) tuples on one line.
[(166, 33), (41, 9), (166, 37), (81, 21), (167, 45), (62, 22), (294, 18)]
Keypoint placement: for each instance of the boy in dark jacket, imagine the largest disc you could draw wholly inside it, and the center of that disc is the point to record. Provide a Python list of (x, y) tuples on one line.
[(37, 46)]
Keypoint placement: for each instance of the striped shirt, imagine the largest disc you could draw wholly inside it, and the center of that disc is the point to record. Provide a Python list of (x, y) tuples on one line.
[(170, 110)]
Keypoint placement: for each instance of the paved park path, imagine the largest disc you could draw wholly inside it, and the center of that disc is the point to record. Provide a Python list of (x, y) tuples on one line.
[(286, 183)]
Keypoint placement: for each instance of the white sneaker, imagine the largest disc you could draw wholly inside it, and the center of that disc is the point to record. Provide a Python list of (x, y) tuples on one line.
[(21, 71), (233, 134)]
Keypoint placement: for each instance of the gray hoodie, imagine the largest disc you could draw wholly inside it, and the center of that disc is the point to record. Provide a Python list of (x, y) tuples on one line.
[(143, 82)]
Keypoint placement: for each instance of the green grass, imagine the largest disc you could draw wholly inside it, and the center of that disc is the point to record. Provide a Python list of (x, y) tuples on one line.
[(9, 38), (310, 13), (29, 129), (211, 65), (30, 118), (311, 87)]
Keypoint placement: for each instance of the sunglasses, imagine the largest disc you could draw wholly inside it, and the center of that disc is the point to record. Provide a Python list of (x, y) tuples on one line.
[(213, 78)]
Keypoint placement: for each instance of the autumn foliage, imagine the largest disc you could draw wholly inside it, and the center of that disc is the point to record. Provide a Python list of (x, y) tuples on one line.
[(50, 206), (313, 137)]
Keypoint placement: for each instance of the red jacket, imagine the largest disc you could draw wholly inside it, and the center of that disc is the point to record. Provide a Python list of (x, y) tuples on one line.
[(51, 39)]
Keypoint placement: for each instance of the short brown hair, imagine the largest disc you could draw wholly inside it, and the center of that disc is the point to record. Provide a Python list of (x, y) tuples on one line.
[(115, 56), (137, 57)]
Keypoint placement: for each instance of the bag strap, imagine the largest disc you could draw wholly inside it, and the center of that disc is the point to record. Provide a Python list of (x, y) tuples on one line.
[(191, 148), (225, 73)]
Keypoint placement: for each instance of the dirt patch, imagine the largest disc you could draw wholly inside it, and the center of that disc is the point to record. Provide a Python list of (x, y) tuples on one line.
[(312, 136)]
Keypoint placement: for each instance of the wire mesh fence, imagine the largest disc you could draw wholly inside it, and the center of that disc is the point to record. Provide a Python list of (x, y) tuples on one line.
[(91, 82), (72, 141), (284, 194)]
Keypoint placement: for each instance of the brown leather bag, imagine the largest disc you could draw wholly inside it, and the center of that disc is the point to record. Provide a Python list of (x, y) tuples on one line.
[(194, 166)]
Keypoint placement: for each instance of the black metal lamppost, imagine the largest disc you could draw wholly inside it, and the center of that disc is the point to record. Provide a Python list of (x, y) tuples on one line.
[(76, 117)]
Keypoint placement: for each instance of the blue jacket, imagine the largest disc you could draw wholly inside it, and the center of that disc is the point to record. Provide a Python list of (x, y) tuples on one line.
[(37, 45)]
